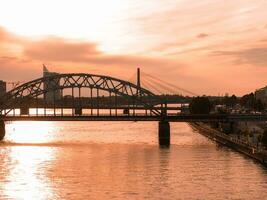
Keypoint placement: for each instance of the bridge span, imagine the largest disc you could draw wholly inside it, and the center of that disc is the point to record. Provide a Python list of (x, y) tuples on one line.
[(61, 98), (168, 117)]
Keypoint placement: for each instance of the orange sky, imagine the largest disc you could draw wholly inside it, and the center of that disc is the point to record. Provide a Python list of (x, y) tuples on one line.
[(207, 46)]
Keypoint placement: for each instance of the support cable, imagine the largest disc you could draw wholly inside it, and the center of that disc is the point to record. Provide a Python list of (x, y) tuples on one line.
[(171, 85)]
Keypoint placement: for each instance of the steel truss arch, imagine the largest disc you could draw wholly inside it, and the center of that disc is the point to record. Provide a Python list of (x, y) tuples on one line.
[(36, 88)]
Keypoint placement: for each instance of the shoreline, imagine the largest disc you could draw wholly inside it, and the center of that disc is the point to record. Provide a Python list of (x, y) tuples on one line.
[(247, 149)]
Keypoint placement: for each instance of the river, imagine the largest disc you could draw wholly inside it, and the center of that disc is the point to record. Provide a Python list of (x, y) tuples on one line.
[(121, 160)]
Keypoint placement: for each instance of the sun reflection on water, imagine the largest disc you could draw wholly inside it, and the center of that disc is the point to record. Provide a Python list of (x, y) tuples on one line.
[(28, 164), (29, 132), (26, 179)]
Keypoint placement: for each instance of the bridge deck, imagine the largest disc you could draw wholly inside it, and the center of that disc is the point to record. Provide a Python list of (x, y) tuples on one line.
[(170, 118)]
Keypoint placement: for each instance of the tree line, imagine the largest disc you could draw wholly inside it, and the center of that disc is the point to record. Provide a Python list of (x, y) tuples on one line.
[(203, 104)]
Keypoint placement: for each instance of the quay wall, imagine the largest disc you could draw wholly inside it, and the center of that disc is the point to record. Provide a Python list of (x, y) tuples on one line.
[(252, 151)]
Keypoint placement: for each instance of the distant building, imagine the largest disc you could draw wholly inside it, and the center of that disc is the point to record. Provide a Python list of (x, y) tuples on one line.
[(2, 88), (52, 94), (261, 94)]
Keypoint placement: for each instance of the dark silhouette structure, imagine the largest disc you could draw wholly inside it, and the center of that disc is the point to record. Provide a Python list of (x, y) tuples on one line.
[(29, 102), (200, 105)]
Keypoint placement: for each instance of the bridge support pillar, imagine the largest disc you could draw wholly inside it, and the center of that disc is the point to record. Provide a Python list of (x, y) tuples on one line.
[(2, 130), (78, 111), (164, 133), (24, 110)]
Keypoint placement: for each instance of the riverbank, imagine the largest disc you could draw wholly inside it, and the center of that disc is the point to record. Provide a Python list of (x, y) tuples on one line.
[(246, 148)]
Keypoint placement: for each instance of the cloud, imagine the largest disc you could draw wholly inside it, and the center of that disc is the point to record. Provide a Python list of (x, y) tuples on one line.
[(14, 68), (202, 35), (21, 58), (251, 56), (4, 35), (25, 55), (58, 49), (8, 37)]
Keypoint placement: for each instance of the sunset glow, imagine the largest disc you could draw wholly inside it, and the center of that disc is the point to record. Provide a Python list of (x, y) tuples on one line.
[(133, 99), (197, 44)]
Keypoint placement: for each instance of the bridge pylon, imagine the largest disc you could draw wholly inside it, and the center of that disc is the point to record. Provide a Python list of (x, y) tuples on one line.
[(2, 129), (164, 133)]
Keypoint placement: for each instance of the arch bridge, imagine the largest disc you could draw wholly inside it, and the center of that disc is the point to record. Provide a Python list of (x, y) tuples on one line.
[(80, 96), (64, 91), (90, 97)]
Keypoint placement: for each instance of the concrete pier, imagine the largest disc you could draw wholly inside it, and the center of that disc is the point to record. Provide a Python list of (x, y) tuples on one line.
[(164, 133), (2, 130), (78, 111)]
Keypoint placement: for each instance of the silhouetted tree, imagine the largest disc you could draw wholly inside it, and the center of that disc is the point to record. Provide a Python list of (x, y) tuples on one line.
[(259, 106), (200, 105), (232, 101), (248, 101), (226, 100)]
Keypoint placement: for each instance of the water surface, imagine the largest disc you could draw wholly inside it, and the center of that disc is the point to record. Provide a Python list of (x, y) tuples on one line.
[(121, 160)]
